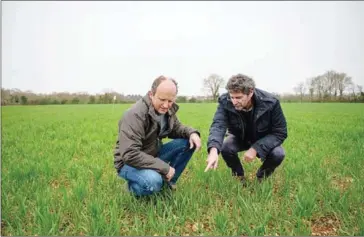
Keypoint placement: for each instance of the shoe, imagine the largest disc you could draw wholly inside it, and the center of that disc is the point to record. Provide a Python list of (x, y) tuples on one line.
[(173, 187), (264, 172), (263, 175), (243, 181)]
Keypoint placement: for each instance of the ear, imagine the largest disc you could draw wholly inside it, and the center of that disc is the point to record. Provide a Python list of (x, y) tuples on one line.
[(150, 94), (251, 92)]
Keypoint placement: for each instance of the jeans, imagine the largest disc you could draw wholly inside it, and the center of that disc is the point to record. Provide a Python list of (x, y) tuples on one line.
[(143, 182), (232, 146)]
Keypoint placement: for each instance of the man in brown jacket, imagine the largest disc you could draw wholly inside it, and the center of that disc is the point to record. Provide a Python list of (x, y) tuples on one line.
[(140, 157)]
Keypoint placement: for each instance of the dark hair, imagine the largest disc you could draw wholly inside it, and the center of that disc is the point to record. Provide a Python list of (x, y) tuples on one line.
[(240, 83), (159, 80)]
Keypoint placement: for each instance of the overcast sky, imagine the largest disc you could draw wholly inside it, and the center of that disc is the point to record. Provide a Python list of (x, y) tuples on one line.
[(93, 46)]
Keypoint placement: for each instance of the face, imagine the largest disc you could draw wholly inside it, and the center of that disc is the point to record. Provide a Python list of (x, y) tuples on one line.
[(240, 100), (164, 97)]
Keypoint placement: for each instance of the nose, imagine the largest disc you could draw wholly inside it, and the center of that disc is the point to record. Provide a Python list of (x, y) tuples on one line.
[(234, 101), (165, 104)]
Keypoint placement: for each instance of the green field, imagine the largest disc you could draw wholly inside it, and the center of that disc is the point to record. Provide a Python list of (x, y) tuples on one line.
[(57, 178)]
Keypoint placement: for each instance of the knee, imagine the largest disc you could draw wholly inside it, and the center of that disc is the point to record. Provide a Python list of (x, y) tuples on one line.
[(181, 142), (278, 154), (154, 181), (150, 183)]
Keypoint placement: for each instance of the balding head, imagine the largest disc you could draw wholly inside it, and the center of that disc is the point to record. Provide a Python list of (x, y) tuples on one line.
[(163, 94), (161, 79)]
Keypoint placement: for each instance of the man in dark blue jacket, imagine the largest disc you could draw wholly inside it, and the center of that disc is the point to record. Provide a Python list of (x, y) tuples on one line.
[(255, 122)]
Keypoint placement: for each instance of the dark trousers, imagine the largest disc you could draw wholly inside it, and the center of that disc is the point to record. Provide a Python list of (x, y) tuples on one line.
[(232, 146)]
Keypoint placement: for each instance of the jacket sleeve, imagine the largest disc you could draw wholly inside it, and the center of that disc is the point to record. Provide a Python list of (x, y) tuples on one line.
[(131, 133), (278, 133), (181, 131), (217, 129)]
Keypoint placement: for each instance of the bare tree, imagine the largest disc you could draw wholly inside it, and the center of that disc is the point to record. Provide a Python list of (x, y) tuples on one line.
[(351, 88), (329, 83), (360, 89), (300, 90), (360, 93), (310, 85), (319, 86), (212, 84), (343, 82)]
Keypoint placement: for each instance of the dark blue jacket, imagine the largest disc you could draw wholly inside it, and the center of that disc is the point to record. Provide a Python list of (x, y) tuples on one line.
[(269, 123)]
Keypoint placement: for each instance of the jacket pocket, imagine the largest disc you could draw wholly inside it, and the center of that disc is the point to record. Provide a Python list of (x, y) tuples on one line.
[(262, 129)]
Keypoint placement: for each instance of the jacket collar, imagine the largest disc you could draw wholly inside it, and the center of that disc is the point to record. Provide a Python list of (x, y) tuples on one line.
[(259, 106), (259, 98)]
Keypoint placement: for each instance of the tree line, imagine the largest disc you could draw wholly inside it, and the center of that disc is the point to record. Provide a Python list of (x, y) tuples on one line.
[(18, 97), (330, 86)]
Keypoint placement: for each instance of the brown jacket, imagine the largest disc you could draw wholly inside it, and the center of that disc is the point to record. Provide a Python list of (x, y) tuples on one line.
[(138, 141)]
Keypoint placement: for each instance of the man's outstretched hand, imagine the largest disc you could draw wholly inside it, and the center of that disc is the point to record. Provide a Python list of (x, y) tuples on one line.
[(212, 159)]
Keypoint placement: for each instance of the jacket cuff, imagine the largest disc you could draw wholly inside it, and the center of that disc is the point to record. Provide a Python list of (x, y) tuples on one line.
[(194, 131), (213, 146), (259, 150), (163, 166)]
